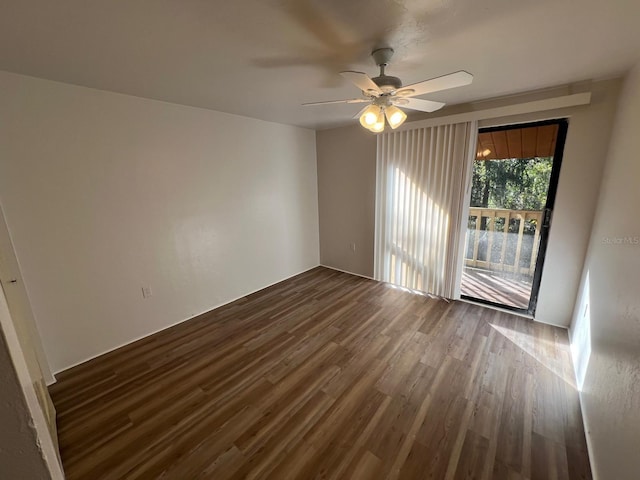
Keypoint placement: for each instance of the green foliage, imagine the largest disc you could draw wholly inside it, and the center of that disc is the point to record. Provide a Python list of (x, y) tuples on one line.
[(515, 184)]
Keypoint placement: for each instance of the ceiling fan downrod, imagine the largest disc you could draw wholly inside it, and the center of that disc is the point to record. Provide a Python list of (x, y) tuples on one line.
[(387, 83)]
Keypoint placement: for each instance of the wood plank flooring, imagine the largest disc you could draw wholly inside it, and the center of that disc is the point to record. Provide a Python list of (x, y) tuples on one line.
[(329, 376)]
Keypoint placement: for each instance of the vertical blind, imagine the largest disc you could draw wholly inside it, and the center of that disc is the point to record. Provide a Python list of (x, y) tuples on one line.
[(421, 176)]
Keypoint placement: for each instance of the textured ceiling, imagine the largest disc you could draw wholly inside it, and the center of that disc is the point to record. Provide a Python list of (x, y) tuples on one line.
[(264, 58)]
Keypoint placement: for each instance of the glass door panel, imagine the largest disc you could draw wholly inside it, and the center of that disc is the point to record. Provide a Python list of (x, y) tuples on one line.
[(514, 184)]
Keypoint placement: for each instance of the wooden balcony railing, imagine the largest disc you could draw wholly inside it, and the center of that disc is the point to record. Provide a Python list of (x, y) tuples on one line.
[(503, 240)]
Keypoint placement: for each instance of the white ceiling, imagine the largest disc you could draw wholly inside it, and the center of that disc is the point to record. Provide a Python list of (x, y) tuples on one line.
[(264, 58)]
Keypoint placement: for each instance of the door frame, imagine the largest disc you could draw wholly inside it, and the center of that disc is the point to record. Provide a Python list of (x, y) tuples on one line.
[(545, 228), (11, 281), (46, 438)]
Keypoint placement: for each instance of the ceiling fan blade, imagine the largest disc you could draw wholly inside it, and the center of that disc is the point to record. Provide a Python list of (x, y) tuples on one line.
[(351, 100), (363, 82), (422, 105), (452, 80)]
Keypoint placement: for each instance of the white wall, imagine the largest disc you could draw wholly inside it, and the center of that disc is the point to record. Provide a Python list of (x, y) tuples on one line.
[(347, 198), (105, 193), (607, 316), (346, 179)]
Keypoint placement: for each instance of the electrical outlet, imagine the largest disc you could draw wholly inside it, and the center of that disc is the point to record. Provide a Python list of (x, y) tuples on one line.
[(146, 292), (352, 246)]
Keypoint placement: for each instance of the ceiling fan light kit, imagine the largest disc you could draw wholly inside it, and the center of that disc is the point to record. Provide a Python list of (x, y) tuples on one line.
[(385, 93), (373, 117)]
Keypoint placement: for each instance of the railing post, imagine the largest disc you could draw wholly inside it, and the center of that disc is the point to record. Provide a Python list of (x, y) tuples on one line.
[(505, 237), (476, 237), (536, 239)]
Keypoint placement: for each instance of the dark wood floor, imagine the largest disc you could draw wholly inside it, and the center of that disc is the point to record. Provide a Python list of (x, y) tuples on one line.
[(328, 375)]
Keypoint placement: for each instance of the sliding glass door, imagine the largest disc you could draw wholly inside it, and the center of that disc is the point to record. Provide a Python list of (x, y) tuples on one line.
[(515, 176)]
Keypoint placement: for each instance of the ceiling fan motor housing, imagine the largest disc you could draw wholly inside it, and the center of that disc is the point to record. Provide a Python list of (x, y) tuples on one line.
[(387, 83)]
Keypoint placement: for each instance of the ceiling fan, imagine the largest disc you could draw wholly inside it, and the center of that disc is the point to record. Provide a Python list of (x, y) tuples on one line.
[(385, 93)]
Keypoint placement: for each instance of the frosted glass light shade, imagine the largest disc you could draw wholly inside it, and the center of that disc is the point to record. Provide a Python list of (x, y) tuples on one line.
[(395, 116), (378, 126), (370, 116)]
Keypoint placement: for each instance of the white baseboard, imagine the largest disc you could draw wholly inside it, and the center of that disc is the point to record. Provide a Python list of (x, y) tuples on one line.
[(347, 271), (585, 423)]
